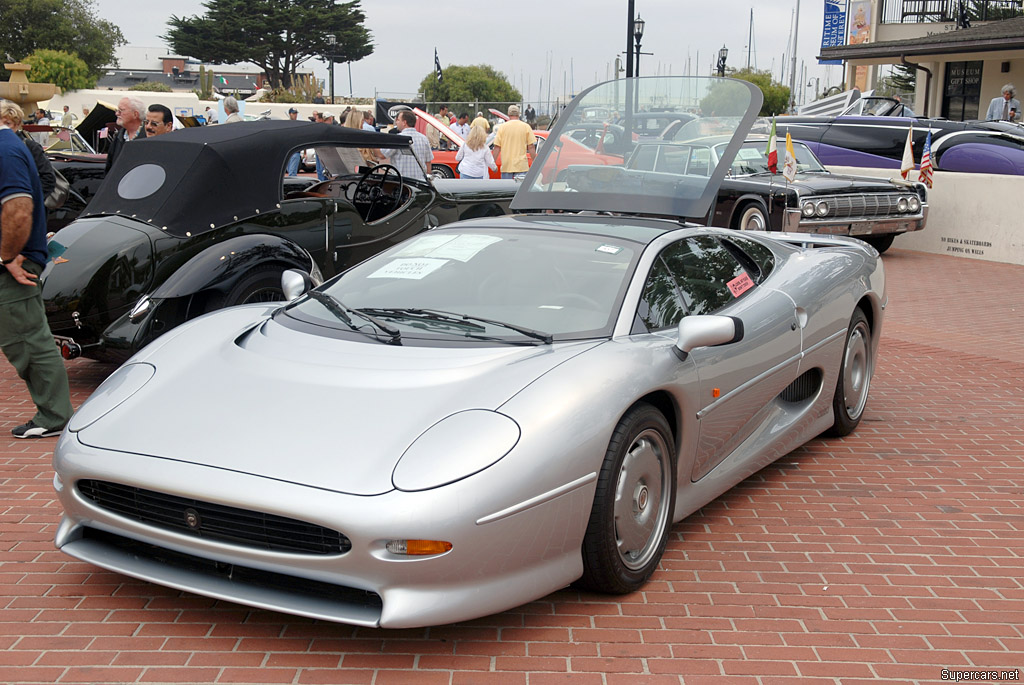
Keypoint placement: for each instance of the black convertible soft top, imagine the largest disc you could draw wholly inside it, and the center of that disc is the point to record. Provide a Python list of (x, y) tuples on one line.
[(197, 178)]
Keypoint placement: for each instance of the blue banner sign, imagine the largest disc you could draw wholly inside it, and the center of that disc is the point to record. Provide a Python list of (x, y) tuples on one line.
[(833, 32)]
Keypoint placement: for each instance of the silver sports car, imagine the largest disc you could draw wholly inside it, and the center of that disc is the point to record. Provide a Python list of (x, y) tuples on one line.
[(485, 413)]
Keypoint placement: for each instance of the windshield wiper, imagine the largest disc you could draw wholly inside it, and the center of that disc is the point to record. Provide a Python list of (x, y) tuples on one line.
[(424, 315), (529, 332), (335, 306)]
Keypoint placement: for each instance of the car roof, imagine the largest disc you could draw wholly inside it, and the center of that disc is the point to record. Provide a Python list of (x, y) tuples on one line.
[(198, 178)]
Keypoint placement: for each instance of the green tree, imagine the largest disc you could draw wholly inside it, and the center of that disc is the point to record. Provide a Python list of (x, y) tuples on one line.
[(901, 80), (476, 83), (30, 25), (152, 87), (60, 68), (276, 35), (776, 95)]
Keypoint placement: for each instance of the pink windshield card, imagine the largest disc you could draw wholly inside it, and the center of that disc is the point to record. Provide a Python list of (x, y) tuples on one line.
[(740, 285)]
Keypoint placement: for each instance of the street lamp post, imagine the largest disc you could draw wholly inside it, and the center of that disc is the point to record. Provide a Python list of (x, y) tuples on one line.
[(638, 34), (723, 52), (332, 41)]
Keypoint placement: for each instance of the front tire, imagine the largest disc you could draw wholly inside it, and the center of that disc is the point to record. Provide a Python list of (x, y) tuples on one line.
[(752, 218), (633, 504), (259, 285), (441, 171), (855, 371), (881, 243)]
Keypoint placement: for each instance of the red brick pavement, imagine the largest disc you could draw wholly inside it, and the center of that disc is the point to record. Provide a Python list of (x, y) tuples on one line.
[(882, 557)]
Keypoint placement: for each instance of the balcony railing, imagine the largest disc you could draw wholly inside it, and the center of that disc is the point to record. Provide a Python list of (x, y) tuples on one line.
[(924, 11)]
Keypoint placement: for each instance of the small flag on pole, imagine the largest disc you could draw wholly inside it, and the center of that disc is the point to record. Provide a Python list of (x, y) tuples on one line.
[(926, 161), (772, 152), (223, 80), (789, 168), (908, 154), (437, 67)]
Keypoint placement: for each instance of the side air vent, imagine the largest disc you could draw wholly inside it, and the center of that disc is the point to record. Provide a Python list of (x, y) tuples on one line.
[(804, 387)]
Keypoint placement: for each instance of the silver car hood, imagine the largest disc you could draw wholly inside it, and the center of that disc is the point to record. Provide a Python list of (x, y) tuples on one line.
[(311, 410)]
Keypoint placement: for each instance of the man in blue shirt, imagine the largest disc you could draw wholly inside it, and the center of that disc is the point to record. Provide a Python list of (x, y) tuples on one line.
[(25, 337)]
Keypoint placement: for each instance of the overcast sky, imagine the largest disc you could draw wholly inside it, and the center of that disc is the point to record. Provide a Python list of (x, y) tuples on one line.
[(575, 42)]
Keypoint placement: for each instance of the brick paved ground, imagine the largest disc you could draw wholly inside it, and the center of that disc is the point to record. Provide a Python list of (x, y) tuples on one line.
[(882, 557)]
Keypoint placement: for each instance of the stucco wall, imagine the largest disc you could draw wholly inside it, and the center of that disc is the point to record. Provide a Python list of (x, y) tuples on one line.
[(977, 216)]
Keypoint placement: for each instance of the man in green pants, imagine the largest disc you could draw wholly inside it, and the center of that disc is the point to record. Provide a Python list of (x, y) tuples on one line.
[(25, 337)]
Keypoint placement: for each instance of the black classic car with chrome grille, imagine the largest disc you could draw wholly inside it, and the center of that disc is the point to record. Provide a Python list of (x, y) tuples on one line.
[(751, 197), (204, 218)]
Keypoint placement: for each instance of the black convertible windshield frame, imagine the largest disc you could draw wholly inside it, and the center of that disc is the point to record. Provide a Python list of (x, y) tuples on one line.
[(560, 179)]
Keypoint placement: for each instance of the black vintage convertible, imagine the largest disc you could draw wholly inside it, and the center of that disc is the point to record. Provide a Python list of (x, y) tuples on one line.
[(200, 219)]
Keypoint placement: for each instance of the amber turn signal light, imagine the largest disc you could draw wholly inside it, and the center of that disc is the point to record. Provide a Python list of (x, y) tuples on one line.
[(418, 547)]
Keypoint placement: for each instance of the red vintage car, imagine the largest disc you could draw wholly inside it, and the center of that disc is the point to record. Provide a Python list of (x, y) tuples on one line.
[(576, 149)]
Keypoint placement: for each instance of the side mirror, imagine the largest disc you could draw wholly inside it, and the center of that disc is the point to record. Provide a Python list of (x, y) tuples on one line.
[(295, 283), (707, 331)]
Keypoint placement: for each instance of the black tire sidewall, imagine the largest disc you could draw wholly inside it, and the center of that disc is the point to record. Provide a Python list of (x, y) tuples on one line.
[(843, 424), (257, 279), (603, 568)]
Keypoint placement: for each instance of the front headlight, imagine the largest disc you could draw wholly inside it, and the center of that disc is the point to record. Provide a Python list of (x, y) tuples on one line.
[(914, 204), (808, 209), (118, 387), (454, 448), (902, 205), (821, 209)]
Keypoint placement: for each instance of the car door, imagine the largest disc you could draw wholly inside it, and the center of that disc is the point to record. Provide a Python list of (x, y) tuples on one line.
[(355, 239), (739, 381)]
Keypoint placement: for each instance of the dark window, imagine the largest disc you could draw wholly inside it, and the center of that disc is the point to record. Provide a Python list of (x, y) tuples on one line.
[(962, 91), (660, 307), (704, 270), (694, 276), (754, 256)]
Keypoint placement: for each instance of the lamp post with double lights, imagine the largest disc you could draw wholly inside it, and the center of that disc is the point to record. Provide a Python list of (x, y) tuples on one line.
[(723, 52), (638, 34)]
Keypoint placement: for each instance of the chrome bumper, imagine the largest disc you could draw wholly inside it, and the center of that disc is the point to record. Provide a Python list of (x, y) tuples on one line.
[(794, 222)]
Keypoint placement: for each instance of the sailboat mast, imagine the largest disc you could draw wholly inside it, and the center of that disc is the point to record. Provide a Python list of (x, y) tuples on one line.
[(750, 38)]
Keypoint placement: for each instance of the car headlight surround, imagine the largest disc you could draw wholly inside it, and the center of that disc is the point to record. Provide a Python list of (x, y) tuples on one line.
[(821, 208), (902, 205), (807, 209), (913, 204), (455, 447), (118, 387)]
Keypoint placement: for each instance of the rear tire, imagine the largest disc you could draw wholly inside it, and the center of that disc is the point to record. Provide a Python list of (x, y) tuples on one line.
[(880, 242), (633, 505), (752, 218), (855, 371)]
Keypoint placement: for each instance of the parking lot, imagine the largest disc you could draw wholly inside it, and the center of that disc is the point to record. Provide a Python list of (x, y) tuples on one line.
[(886, 556)]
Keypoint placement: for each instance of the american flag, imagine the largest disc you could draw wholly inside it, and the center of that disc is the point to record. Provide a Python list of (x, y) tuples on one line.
[(926, 161)]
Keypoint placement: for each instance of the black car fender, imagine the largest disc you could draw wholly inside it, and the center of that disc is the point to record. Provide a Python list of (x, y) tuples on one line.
[(223, 264)]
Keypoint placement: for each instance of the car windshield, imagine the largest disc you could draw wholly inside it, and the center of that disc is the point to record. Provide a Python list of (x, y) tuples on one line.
[(582, 167), (752, 158), (504, 285)]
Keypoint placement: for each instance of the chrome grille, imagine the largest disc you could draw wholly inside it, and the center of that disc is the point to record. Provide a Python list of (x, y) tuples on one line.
[(214, 521), (863, 205)]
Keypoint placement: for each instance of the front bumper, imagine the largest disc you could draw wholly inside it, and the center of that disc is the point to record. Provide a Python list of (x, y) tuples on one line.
[(794, 222), (498, 560)]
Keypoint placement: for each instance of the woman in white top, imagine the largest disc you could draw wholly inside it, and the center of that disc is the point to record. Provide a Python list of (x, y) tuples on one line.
[(475, 157)]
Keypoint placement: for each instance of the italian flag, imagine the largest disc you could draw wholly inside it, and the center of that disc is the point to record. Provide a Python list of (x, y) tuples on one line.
[(772, 152)]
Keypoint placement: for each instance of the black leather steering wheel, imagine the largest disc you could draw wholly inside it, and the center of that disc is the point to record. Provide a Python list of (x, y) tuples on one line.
[(370, 189)]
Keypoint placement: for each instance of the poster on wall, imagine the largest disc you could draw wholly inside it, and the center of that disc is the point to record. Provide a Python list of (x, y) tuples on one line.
[(860, 32)]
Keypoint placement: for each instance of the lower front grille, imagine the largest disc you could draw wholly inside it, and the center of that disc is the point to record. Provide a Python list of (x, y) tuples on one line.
[(214, 521), (328, 597)]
